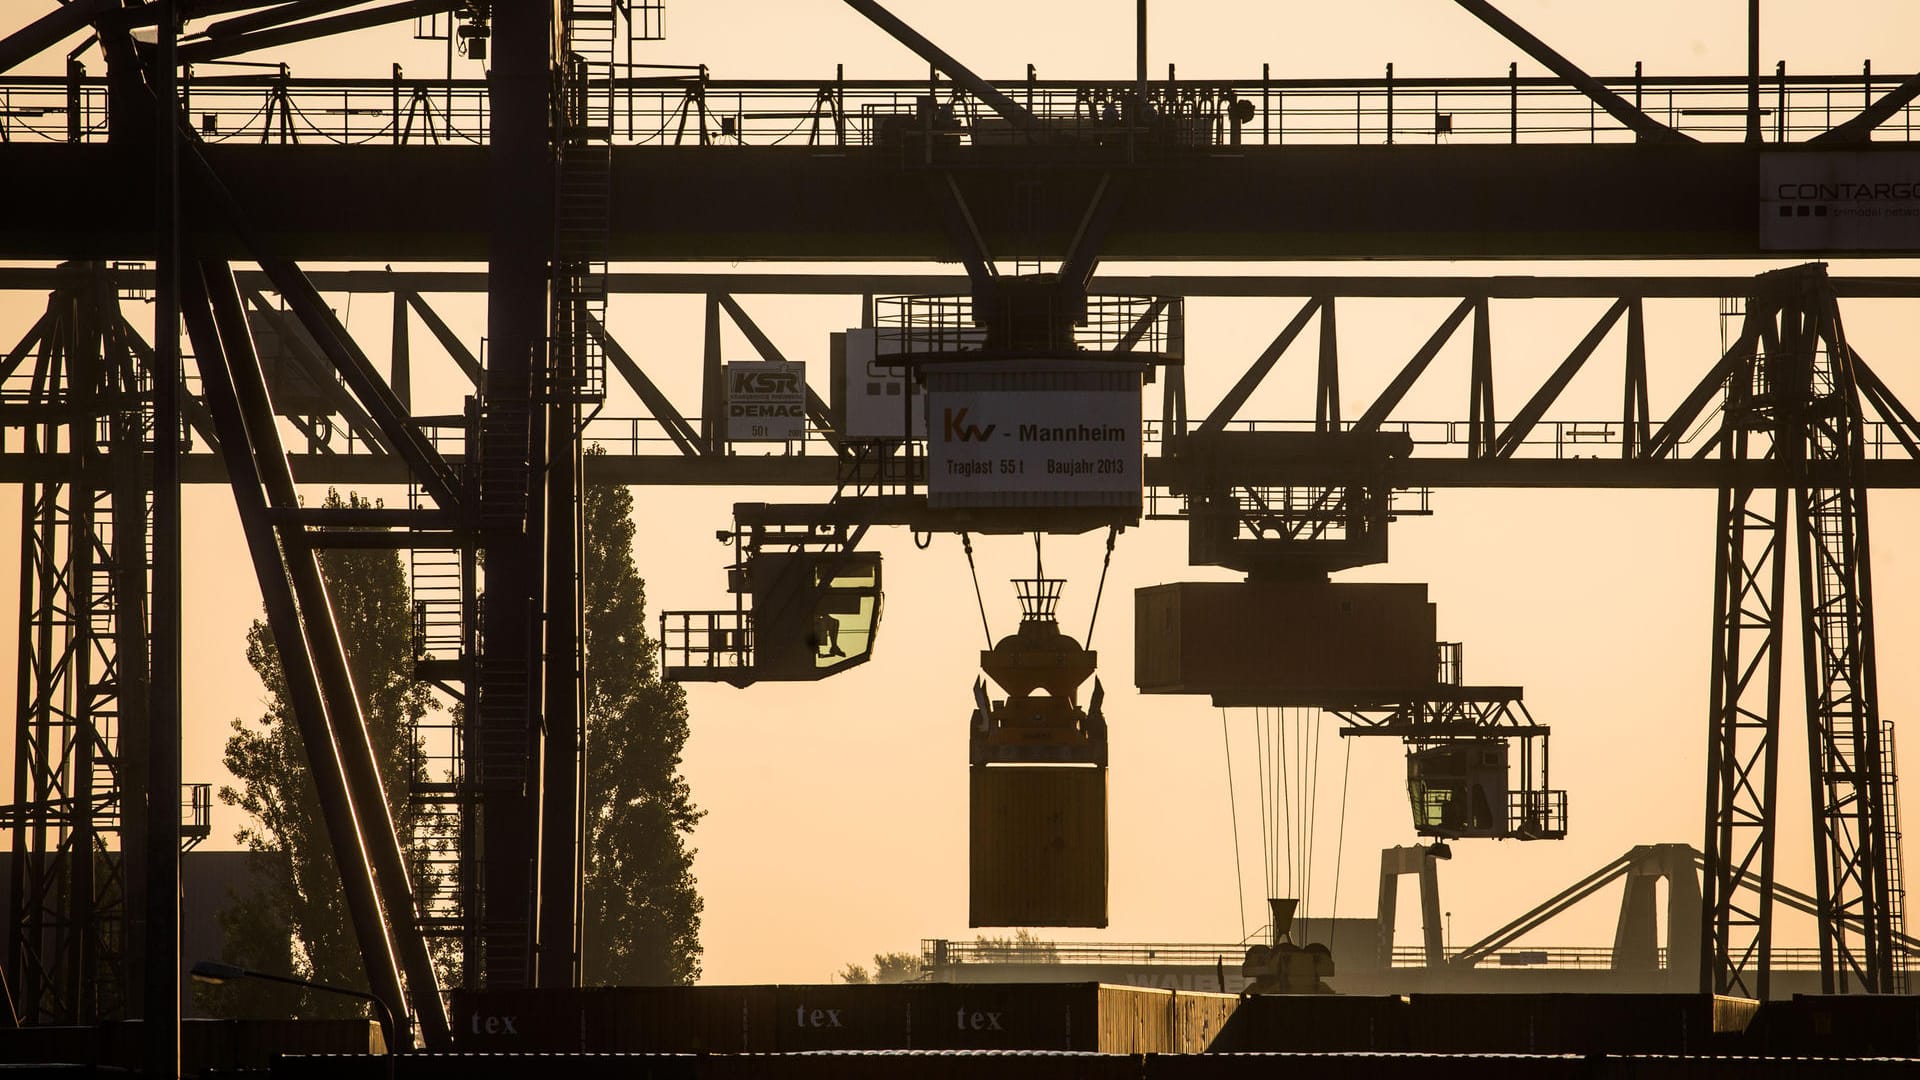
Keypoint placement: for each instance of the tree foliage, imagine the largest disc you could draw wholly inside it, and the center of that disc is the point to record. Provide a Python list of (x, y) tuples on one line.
[(295, 921), (1024, 947), (642, 910), (893, 967)]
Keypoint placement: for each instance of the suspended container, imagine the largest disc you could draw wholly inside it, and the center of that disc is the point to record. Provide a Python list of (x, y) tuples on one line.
[(1280, 643), (1038, 786)]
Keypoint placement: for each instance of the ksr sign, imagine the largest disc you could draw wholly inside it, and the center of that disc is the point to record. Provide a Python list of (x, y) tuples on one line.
[(753, 380), (766, 402)]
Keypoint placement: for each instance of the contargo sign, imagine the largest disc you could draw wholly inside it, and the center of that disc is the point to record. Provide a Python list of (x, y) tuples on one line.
[(1840, 201), (766, 401), (1017, 433)]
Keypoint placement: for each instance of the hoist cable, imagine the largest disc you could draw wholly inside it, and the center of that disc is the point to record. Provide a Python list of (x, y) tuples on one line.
[(1340, 844), (1112, 531), (966, 544), (1310, 755), (1301, 731), (1260, 790), (1233, 806), (1286, 796)]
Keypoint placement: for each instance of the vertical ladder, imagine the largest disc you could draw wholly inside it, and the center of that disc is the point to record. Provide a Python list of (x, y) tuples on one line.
[(1896, 894), (437, 587), (579, 365), (435, 800)]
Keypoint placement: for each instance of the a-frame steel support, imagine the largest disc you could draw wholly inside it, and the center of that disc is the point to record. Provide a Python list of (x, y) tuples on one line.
[(1792, 396), (326, 705)]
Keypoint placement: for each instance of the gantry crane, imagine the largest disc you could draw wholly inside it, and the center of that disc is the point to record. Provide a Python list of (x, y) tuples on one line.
[(1442, 168)]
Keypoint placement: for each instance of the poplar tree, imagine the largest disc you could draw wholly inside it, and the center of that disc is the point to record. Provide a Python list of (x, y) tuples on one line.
[(642, 909)]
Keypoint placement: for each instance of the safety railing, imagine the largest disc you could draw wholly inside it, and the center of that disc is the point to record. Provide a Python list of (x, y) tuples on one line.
[(635, 436), (196, 812), (945, 324), (1554, 439), (1590, 958), (696, 110), (941, 952), (705, 640)]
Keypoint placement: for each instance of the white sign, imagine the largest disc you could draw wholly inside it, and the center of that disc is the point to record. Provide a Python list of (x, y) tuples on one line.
[(766, 402), (874, 400), (1840, 201), (1014, 433)]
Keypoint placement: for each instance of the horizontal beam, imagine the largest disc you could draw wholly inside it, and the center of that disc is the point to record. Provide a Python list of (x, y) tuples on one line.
[(1299, 286), (755, 203), (669, 470)]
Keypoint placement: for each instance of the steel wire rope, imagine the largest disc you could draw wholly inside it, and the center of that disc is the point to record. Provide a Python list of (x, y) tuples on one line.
[(1266, 801), (740, 136), (966, 545), (1233, 808), (345, 138), (1340, 842), (223, 136), (1309, 725), (1310, 776), (1281, 767), (1100, 589)]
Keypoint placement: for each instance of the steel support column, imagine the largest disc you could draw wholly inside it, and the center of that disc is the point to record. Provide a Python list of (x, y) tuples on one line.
[(236, 395), (1792, 396), (160, 953), (65, 946), (1850, 755), (1744, 724), (512, 482)]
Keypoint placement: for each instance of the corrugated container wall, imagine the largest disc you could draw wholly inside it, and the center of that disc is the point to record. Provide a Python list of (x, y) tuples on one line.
[(1038, 846)]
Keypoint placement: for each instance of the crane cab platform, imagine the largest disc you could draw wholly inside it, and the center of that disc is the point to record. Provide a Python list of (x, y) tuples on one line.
[(801, 616)]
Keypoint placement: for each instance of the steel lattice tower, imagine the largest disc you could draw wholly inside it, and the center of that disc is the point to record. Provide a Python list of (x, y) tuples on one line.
[(1793, 396)]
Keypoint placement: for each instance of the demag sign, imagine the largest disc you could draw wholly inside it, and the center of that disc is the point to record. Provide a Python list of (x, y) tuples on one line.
[(766, 401)]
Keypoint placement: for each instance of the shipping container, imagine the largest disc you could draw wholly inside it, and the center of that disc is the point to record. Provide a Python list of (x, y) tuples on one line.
[(1853, 1025), (204, 1044), (789, 1019), (1315, 1022), (520, 1021), (1001, 1016), (1578, 1023), (682, 1019), (491, 1066), (1199, 1019), (923, 1065), (1038, 846), (1362, 1066), (1284, 643)]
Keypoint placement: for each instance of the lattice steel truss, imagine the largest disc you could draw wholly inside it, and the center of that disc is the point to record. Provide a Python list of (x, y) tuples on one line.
[(1793, 394), (83, 659)]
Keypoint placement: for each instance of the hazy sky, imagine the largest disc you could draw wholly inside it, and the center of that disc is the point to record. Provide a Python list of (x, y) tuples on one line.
[(836, 819)]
